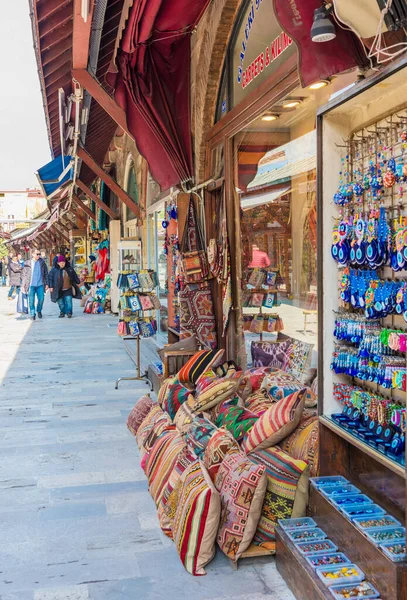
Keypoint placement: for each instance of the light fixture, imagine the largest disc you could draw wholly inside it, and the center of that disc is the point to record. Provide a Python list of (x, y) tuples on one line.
[(323, 30), (84, 115), (291, 103), (269, 117), (319, 84)]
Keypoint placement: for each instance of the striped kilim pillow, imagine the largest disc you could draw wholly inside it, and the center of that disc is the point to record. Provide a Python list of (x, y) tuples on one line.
[(199, 434), (276, 423), (215, 393), (286, 494), (198, 364), (155, 415), (194, 510), (242, 485), (161, 460), (220, 445)]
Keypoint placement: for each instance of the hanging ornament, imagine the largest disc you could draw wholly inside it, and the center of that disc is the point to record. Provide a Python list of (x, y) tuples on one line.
[(165, 224), (389, 179)]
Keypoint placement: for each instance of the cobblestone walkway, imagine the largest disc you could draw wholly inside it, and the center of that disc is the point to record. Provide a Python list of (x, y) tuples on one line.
[(76, 519)]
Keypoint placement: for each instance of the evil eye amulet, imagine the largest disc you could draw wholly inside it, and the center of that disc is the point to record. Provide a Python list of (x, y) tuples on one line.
[(164, 224)]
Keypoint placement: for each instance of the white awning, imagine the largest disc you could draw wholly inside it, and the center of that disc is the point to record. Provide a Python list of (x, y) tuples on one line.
[(260, 199)]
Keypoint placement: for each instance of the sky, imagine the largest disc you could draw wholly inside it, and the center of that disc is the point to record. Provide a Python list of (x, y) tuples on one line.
[(24, 146)]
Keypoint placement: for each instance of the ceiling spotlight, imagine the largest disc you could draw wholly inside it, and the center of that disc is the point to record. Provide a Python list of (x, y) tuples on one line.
[(291, 103), (323, 30), (269, 117), (318, 84)]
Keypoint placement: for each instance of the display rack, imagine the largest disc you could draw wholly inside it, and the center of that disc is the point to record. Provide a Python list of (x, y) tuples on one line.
[(261, 289)]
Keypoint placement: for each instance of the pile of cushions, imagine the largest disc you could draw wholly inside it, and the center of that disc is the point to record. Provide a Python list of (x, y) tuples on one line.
[(223, 458)]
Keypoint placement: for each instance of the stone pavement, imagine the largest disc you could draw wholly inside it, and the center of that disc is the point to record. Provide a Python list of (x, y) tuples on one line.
[(76, 519)]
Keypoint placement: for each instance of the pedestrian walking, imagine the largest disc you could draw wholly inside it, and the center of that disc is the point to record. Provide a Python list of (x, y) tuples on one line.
[(4, 273), (14, 273), (35, 282), (63, 285)]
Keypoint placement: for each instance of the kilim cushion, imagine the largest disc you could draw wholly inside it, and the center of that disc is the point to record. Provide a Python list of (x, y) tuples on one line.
[(258, 402), (270, 354), (256, 376), (161, 461), (218, 391), (242, 486), (198, 364), (279, 385), (184, 460), (303, 443), (220, 445), (299, 355), (199, 434), (184, 418), (286, 494), (194, 511), (204, 380), (276, 423), (237, 420), (226, 369), (155, 416), (163, 389), (215, 411), (176, 395), (139, 413)]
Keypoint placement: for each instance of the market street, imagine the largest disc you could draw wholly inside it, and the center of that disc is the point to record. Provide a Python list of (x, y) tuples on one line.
[(77, 521)]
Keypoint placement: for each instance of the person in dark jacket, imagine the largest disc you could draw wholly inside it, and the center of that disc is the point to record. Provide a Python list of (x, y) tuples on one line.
[(14, 273), (63, 283), (34, 282)]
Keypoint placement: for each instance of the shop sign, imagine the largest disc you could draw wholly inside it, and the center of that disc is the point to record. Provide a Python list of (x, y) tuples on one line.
[(260, 48)]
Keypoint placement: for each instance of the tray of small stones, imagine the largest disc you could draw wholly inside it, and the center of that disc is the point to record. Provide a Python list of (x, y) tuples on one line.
[(327, 560), (357, 591), (334, 575)]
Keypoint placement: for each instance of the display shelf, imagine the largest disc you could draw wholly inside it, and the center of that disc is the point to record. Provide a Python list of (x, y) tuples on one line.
[(387, 576), (369, 450)]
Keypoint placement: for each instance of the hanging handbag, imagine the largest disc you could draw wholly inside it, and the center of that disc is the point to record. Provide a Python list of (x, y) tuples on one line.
[(88, 306), (22, 303), (271, 278), (194, 262), (156, 302), (271, 324), (134, 328), (134, 303), (257, 278), (121, 328), (256, 300), (133, 281), (146, 302), (269, 300), (256, 325)]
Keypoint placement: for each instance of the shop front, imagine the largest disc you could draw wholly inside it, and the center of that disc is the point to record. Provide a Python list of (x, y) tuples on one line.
[(265, 142)]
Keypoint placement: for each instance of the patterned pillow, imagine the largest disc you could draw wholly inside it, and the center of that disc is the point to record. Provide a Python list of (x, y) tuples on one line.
[(259, 402), (161, 461), (227, 369), (139, 413), (279, 385), (276, 423), (270, 354), (199, 434), (184, 460), (219, 408), (176, 395), (257, 376), (218, 391), (194, 510), (198, 364), (219, 445), (237, 420), (154, 417), (286, 494), (299, 354), (163, 389), (303, 444), (184, 418), (242, 486), (204, 380)]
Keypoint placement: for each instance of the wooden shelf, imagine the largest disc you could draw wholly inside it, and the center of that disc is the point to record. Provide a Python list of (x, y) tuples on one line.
[(366, 448)]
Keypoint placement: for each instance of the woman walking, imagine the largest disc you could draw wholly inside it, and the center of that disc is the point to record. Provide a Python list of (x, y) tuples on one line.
[(14, 273), (63, 285)]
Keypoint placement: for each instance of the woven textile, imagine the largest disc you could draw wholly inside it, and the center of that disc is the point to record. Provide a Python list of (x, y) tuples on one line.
[(194, 510), (184, 418), (154, 417), (279, 385), (237, 420), (286, 495), (215, 411), (303, 443), (175, 397), (256, 376), (220, 445), (198, 364), (299, 354), (184, 460), (199, 434), (276, 423), (163, 389), (161, 460), (258, 402), (139, 413), (269, 354), (242, 486), (197, 315), (216, 392), (204, 380)]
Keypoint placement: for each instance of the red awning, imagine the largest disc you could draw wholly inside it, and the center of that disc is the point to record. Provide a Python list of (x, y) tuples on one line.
[(153, 84), (318, 61)]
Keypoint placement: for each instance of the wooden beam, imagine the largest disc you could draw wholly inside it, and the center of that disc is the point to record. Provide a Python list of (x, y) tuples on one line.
[(96, 199), (102, 97), (60, 232), (110, 182), (81, 35), (83, 206)]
